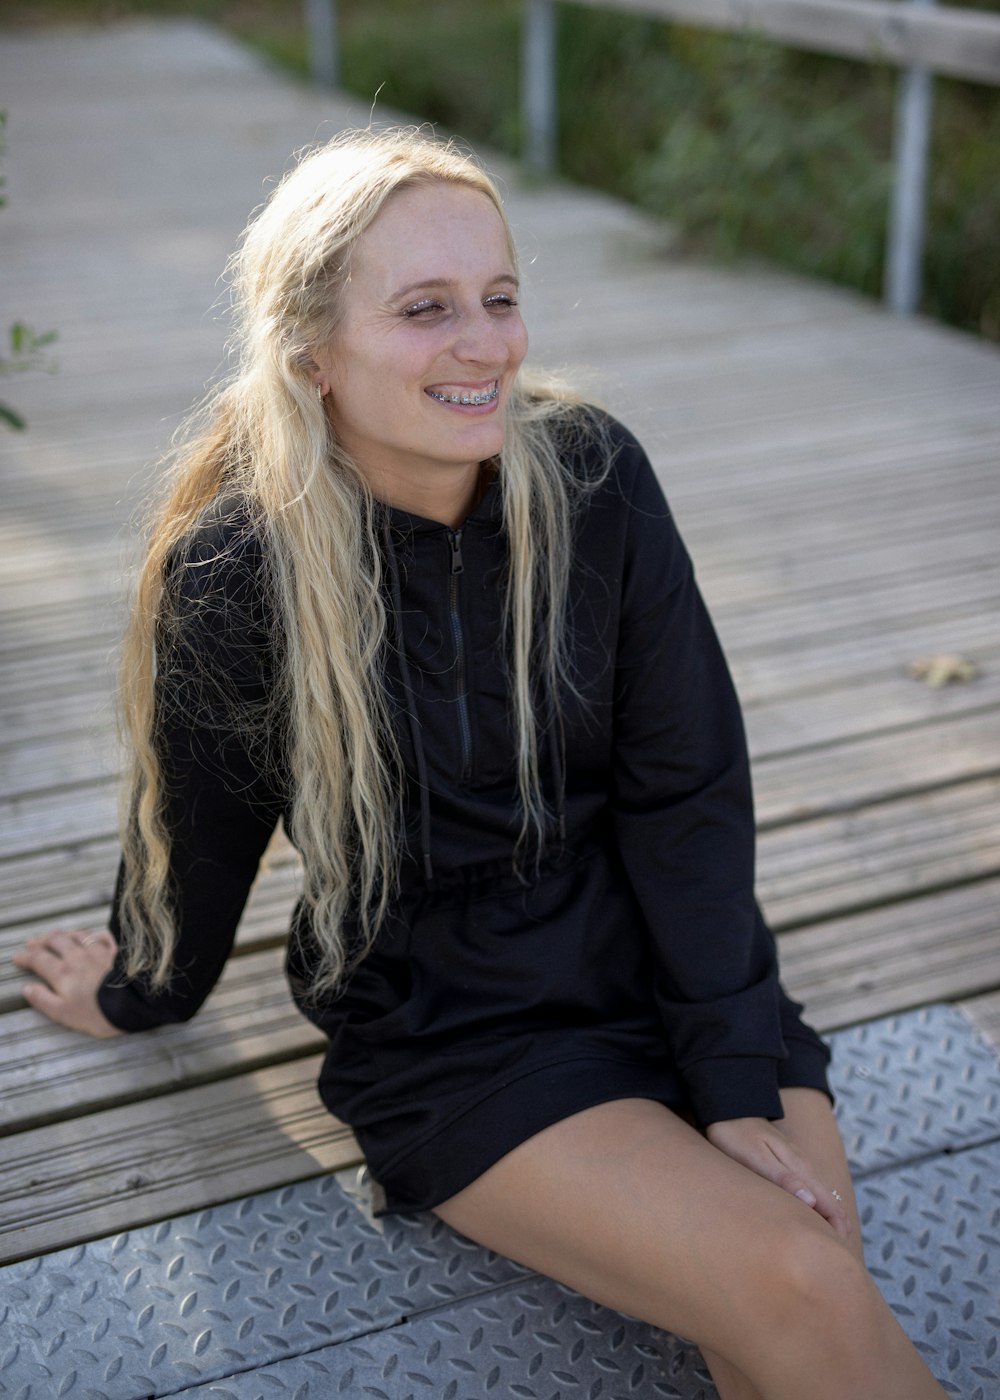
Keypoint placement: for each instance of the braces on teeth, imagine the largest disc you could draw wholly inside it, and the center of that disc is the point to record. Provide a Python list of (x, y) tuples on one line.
[(487, 397)]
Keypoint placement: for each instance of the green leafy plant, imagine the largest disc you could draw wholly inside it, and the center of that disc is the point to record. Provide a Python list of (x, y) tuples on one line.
[(753, 163), (26, 346), (26, 352)]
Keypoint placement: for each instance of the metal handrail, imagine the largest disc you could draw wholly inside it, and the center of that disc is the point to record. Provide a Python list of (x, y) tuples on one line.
[(914, 36)]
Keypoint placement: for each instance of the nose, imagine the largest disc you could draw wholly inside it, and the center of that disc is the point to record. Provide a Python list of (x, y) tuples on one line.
[(482, 339)]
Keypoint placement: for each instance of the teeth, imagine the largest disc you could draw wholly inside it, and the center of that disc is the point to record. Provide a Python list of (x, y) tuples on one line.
[(476, 397)]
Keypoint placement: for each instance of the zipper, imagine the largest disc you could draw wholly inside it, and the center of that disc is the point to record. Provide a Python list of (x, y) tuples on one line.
[(464, 723)]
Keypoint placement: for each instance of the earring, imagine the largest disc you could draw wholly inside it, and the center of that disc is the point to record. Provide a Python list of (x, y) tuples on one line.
[(319, 392)]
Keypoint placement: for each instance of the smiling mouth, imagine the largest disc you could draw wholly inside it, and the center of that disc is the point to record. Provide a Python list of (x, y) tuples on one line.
[(471, 397)]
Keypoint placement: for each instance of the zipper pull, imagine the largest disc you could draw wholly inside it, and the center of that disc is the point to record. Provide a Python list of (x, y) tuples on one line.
[(455, 540)]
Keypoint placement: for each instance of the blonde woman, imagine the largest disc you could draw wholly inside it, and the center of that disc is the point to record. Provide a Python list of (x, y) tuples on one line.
[(436, 617)]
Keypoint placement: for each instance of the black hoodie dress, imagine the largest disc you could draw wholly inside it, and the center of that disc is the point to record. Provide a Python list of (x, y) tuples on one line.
[(500, 996)]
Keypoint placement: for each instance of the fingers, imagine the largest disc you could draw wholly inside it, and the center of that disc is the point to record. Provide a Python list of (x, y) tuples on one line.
[(42, 998), (54, 952), (70, 964), (763, 1148), (798, 1178)]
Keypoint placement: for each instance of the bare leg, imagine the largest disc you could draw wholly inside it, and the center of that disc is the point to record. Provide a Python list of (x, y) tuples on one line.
[(810, 1126), (632, 1207)]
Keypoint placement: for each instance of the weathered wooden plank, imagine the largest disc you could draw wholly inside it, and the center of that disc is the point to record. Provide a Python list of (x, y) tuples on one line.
[(41, 627), (883, 611), (938, 947), (886, 853), (860, 566), (842, 776), (984, 1012), (865, 705), (67, 759), (806, 669), (40, 821), (79, 876), (124, 1167), (52, 1073)]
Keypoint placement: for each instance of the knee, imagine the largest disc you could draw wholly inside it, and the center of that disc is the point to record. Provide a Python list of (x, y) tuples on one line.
[(818, 1284)]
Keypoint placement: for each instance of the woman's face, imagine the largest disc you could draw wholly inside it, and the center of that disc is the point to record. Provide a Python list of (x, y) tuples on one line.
[(431, 338)]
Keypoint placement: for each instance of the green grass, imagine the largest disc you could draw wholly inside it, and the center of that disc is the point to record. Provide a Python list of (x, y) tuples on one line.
[(746, 147)]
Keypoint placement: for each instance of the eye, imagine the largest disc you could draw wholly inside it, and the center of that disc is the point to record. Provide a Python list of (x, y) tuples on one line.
[(500, 301), (422, 308)]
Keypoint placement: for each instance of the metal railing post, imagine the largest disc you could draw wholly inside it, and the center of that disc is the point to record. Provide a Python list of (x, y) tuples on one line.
[(321, 42), (538, 85), (905, 242)]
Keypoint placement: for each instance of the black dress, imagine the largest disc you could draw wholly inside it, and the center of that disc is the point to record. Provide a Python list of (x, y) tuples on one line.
[(632, 961)]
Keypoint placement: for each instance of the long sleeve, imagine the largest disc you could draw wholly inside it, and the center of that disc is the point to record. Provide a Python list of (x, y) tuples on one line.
[(683, 815), (222, 802)]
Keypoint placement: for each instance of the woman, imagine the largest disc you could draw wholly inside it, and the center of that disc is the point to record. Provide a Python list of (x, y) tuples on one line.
[(436, 617)]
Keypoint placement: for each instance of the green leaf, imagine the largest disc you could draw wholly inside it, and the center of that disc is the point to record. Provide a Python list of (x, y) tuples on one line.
[(12, 419)]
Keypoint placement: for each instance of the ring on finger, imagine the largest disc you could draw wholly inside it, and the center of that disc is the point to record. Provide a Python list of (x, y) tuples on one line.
[(837, 1196), (89, 939)]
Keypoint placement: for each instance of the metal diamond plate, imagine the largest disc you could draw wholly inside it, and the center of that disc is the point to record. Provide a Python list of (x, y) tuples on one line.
[(932, 1234), (154, 1310), (291, 1272), (908, 1086), (534, 1341), (933, 1237)]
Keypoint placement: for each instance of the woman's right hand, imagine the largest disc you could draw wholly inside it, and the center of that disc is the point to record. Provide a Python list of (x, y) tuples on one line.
[(70, 965)]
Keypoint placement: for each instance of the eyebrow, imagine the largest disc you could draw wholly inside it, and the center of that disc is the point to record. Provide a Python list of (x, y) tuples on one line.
[(427, 283)]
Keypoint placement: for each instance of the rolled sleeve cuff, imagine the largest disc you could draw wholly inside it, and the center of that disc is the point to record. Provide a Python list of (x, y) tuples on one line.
[(806, 1065), (738, 1086), (125, 1006)]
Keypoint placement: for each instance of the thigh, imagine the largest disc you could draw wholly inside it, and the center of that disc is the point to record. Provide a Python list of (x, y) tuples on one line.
[(634, 1208)]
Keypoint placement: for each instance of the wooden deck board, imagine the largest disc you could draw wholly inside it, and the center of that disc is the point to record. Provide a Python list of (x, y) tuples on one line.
[(984, 1013), (147, 1161), (51, 1073), (939, 947), (834, 471)]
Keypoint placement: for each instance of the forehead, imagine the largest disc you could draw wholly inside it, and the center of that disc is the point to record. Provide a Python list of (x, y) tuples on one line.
[(433, 231)]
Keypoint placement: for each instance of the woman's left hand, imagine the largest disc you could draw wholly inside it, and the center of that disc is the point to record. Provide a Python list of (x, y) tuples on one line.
[(760, 1145)]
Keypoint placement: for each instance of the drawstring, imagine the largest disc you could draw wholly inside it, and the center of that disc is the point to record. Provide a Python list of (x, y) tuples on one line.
[(556, 755), (411, 714)]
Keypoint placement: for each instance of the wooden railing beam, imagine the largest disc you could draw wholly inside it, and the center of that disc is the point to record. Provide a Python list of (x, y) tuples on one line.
[(955, 42)]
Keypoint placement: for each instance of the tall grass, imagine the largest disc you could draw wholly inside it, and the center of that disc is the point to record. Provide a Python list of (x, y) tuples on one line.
[(747, 147)]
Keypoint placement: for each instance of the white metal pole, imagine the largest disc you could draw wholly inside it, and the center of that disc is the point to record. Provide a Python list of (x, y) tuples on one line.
[(321, 42), (538, 83), (905, 244)]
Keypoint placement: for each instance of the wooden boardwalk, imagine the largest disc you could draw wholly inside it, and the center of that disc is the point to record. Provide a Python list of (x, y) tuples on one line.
[(835, 472)]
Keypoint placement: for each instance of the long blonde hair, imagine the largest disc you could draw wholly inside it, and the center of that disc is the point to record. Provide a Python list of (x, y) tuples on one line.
[(263, 437)]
